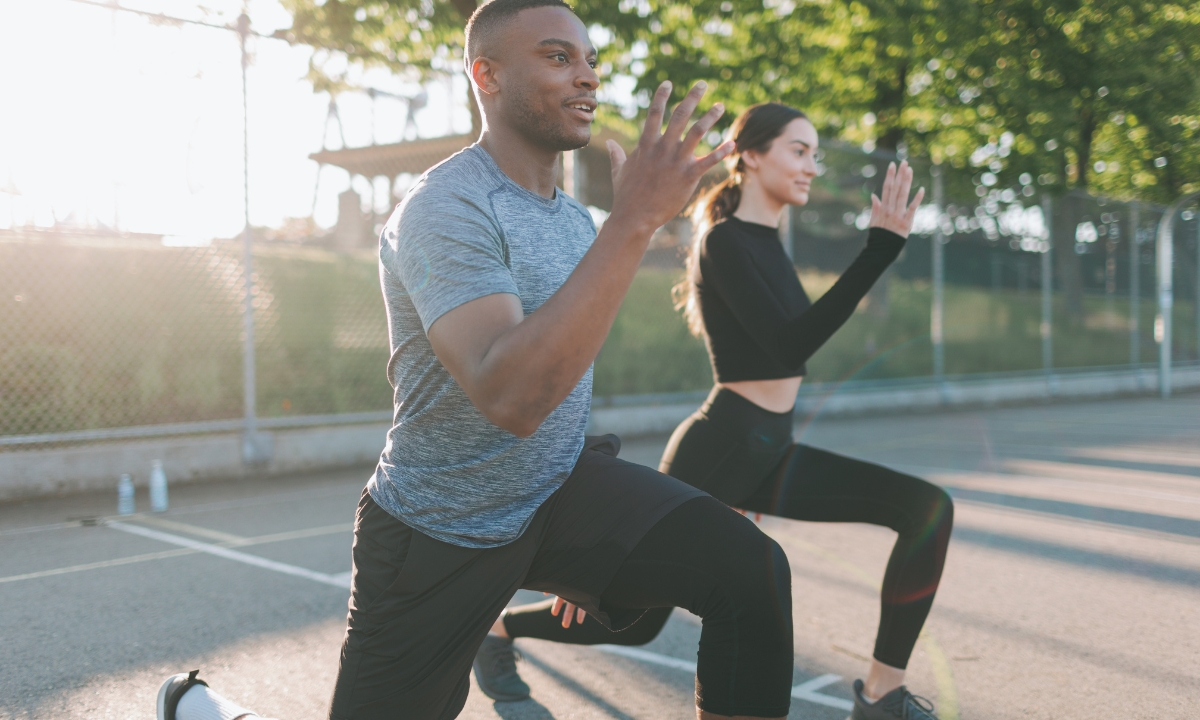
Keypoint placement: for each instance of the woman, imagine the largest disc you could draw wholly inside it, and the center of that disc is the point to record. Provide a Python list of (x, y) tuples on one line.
[(741, 294)]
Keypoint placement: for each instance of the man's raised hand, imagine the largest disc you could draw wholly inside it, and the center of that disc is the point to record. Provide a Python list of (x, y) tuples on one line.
[(652, 184)]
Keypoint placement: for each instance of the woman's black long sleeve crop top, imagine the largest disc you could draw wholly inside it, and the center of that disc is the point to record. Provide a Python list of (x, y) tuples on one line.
[(758, 322)]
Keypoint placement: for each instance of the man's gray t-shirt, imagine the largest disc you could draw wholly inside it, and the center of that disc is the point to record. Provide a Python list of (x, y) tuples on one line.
[(464, 231)]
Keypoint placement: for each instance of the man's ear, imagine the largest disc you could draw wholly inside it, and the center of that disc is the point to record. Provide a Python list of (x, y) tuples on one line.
[(483, 75)]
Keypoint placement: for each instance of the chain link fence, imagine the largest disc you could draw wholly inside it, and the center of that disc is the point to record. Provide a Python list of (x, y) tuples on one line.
[(130, 333)]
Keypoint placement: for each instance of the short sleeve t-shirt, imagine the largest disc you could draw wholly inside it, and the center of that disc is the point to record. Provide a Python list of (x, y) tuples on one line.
[(464, 231)]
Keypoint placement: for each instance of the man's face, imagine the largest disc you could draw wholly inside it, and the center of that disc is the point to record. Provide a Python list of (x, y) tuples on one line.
[(546, 77)]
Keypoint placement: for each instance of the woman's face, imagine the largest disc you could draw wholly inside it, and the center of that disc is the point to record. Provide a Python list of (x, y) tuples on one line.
[(785, 172)]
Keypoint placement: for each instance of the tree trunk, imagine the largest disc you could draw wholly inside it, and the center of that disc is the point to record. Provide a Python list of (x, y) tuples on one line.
[(466, 8), (1070, 271), (888, 106), (889, 103), (476, 115)]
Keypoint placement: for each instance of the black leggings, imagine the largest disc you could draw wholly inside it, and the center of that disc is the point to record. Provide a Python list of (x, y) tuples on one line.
[(743, 455)]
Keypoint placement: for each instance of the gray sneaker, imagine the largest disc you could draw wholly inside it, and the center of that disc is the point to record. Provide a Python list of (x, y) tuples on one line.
[(496, 670), (899, 703)]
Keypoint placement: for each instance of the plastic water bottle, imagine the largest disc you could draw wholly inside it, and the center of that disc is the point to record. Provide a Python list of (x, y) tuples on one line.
[(125, 495), (158, 487)]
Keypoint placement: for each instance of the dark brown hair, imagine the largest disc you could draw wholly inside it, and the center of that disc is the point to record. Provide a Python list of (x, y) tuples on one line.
[(491, 15), (755, 129)]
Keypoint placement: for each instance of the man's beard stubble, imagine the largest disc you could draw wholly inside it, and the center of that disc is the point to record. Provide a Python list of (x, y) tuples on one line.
[(539, 130)]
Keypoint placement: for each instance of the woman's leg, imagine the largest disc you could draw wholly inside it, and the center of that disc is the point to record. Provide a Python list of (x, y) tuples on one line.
[(819, 486)]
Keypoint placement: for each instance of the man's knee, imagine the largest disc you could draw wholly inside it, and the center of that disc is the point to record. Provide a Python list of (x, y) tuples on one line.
[(757, 578)]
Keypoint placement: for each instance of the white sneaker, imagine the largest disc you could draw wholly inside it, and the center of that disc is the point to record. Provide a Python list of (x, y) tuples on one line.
[(172, 690)]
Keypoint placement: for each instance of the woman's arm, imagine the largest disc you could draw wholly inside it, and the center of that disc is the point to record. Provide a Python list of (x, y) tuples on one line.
[(793, 340)]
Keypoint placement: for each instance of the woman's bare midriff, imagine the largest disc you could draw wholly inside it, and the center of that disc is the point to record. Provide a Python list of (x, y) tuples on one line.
[(774, 395)]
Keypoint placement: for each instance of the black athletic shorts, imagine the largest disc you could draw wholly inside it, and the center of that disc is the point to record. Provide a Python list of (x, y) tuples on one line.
[(420, 608)]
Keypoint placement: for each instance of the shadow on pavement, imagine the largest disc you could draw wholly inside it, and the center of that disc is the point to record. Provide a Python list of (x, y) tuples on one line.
[(1160, 572), (570, 684), (525, 710), (1111, 516)]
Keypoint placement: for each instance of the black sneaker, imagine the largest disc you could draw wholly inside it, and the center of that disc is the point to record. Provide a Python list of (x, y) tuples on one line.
[(899, 703), (496, 670), (172, 690)]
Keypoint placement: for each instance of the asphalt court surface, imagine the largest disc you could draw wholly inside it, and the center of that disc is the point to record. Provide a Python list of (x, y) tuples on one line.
[(1072, 586)]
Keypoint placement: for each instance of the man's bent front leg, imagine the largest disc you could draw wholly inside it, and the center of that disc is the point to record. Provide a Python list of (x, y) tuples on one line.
[(711, 561)]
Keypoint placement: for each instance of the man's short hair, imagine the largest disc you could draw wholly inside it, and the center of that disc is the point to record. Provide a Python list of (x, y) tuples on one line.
[(491, 16)]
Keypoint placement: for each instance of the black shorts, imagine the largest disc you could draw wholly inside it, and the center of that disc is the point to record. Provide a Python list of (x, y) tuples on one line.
[(420, 608)]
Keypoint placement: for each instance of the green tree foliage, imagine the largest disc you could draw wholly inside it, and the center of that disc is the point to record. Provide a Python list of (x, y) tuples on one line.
[(1091, 93), (1097, 95)]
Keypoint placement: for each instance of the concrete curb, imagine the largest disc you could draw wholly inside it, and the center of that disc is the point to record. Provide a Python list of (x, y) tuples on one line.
[(843, 400), (96, 466)]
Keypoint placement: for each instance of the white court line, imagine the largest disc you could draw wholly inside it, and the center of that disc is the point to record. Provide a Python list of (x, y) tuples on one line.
[(806, 691), (95, 565), (338, 580)]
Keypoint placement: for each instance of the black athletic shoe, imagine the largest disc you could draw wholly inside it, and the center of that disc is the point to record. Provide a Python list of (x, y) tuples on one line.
[(899, 703), (496, 670), (172, 690)]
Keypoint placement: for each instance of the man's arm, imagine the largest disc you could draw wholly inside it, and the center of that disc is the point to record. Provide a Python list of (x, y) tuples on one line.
[(518, 369)]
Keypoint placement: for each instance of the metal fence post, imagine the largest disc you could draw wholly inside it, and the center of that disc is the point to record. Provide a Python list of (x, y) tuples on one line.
[(254, 450), (1164, 254), (1166, 300), (937, 307), (1047, 289), (1135, 286)]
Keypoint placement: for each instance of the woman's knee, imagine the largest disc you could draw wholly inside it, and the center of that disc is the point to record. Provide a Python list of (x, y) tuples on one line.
[(928, 508)]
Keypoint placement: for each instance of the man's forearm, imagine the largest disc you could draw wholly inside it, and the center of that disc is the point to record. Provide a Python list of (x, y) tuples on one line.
[(530, 369)]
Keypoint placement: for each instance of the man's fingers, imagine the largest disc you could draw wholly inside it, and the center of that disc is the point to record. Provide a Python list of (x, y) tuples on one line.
[(683, 111), (704, 164), (580, 614), (654, 118), (702, 126), (557, 607), (616, 155)]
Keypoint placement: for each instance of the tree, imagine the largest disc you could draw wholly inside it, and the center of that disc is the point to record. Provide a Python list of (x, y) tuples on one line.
[(1059, 75), (1082, 95)]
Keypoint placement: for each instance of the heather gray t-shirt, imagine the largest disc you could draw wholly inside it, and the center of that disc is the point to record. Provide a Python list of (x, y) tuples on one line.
[(464, 231)]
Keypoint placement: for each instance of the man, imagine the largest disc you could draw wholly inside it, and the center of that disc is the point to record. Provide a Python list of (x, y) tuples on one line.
[(499, 295)]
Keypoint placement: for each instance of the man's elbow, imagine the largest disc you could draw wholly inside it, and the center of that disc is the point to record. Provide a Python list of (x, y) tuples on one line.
[(518, 420)]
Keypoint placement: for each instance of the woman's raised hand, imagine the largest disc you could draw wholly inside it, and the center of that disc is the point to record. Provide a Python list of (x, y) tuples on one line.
[(893, 211)]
